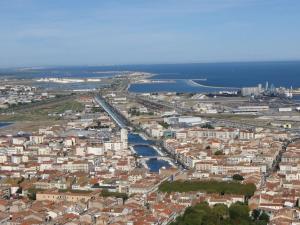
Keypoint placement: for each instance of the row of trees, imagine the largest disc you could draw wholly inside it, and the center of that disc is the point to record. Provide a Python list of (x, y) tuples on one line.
[(220, 214), (164, 124), (209, 187), (135, 112), (106, 193)]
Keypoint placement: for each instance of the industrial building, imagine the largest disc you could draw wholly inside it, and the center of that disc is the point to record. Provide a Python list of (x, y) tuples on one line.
[(249, 91)]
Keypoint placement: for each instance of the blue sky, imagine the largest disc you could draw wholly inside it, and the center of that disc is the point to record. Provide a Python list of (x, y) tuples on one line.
[(102, 32)]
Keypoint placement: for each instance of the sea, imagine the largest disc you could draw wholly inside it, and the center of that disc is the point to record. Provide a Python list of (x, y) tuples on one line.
[(191, 77)]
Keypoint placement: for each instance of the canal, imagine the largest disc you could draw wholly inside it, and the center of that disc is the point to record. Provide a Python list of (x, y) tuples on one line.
[(142, 149), (5, 124)]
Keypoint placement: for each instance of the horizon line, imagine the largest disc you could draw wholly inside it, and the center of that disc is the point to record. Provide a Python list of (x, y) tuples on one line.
[(37, 67)]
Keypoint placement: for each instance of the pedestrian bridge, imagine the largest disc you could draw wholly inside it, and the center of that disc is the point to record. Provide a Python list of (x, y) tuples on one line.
[(153, 157), (141, 144)]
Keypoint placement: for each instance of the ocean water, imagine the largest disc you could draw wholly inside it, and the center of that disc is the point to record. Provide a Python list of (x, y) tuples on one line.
[(224, 75), (236, 74), (180, 85), (60, 72), (69, 86)]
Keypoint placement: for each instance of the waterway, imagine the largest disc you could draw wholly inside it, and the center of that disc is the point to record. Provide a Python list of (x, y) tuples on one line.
[(146, 150), (5, 124), (111, 113)]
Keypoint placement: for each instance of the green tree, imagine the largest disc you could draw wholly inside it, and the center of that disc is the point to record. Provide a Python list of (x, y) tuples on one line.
[(264, 217), (220, 187), (221, 212), (260, 222), (238, 177), (202, 214), (32, 194), (255, 214), (106, 193), (238, 211), (208, 126), (164, 124), (219, 152)]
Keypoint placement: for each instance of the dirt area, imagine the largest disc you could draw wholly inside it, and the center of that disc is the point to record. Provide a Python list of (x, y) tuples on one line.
[(33, 116)]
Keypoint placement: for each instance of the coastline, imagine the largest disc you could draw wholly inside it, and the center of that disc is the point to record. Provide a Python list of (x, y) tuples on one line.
[(192, 82), (180, 85)]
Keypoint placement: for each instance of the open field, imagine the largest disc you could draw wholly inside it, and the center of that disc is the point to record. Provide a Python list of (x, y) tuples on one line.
[(32, 116), (229, 116)]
